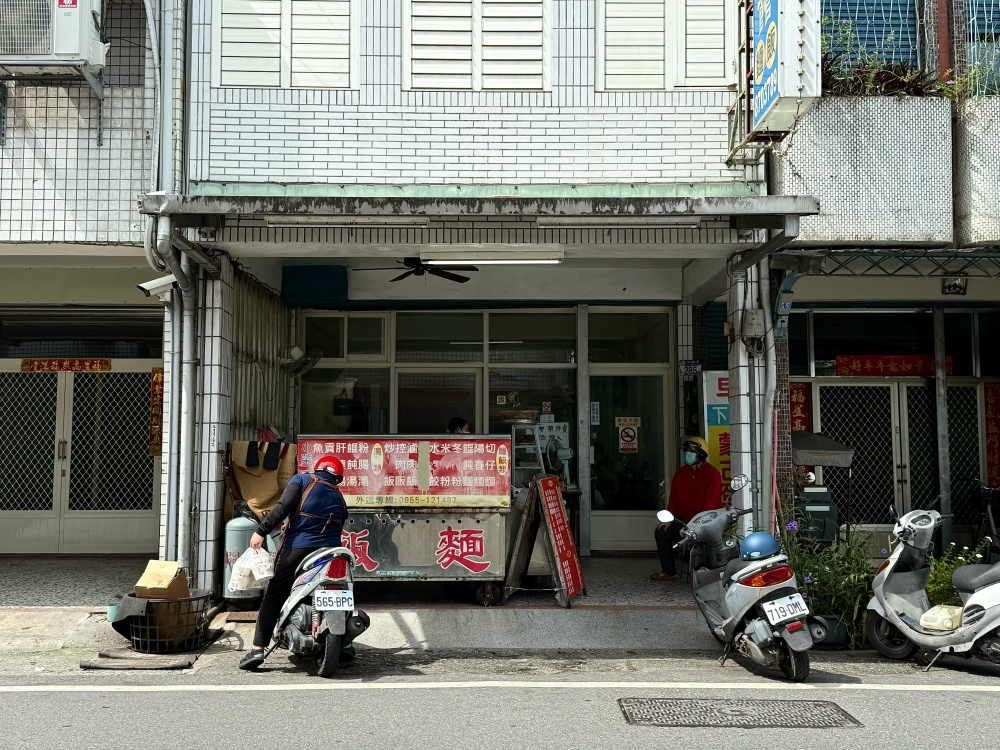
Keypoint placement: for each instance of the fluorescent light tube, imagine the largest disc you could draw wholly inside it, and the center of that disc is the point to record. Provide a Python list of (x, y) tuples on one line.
[(491, 257), (348, 221), (616, 222)]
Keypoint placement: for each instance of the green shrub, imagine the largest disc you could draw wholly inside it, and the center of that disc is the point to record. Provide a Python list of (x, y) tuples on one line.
[(939, 588)]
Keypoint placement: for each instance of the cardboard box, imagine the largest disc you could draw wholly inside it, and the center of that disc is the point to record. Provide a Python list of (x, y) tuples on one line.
[(162, 580)]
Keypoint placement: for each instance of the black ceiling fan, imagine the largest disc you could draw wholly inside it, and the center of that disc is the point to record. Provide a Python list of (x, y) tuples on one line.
[(415, 267)]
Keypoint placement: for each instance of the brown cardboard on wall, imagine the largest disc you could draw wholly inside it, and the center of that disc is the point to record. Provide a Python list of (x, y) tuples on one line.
[(260, 487), (162, 579)]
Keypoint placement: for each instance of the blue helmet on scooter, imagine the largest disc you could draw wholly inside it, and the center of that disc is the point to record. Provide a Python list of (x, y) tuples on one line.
[(758, 545)]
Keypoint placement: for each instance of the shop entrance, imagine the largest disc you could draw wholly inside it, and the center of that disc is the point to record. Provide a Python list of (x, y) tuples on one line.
[(896, 446), (628, 414), (75, 471), (428, 399)]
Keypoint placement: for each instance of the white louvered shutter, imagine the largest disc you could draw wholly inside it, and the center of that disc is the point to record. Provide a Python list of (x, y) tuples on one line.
[(441, 44), (321, 44), (250, 44), (705, 53), (635, 44), (513, 44)]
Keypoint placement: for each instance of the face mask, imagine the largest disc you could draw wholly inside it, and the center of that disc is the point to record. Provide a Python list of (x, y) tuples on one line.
[(690, 458)]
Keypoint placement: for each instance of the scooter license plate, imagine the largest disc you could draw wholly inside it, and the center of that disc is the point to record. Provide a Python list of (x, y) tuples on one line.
[(787, 608), (333, 601)]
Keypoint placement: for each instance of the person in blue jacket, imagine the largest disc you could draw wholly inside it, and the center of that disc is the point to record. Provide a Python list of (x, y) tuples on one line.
[(316, 511)]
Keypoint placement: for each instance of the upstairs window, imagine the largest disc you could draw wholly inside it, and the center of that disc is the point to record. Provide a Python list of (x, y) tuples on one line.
[(298, 44), (476, 45), (654, 45)]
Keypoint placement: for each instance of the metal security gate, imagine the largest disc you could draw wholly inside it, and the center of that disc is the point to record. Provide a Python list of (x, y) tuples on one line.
[(75, 474), (893, 429)]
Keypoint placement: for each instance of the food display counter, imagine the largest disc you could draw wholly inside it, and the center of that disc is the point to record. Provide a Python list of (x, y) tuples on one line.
[(423, 507)]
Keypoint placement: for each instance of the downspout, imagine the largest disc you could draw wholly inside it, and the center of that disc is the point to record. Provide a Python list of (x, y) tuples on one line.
[(770, 378)]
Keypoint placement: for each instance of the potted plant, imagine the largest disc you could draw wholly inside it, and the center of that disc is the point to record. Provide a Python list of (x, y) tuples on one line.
[(835, 580)]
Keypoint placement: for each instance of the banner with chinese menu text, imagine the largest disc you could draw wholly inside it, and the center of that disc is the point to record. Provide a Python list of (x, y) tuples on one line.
[(567, 561), (455, 471)]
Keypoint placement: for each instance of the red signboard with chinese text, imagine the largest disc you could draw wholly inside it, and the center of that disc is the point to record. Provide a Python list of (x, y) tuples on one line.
[(992, 399), (800, 406), (417, 472), (156, 413), (566, 559), (65, 365), (889, 365)]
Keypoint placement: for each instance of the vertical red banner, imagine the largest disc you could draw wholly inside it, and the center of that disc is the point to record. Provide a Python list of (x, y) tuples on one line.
[(992, 399), (568, 567), (156, 413), (800, 406)]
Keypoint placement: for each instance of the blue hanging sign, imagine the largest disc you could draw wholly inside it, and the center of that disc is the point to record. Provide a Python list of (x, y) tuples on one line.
[(765, 58)]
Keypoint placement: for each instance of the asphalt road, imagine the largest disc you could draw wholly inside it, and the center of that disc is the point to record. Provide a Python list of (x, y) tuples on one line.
[(444, 701)]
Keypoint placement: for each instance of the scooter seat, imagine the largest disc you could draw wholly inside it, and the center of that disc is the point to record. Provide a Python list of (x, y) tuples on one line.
[(733, 569), (975, 577)]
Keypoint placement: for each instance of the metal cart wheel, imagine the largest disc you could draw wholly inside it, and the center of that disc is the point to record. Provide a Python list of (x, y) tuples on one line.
[(489, 594)]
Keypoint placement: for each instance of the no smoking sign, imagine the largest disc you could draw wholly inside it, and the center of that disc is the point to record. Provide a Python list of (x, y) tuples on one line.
[(628, 439)]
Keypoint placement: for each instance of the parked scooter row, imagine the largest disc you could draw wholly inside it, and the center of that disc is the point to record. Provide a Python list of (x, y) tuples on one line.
[(747, 592)]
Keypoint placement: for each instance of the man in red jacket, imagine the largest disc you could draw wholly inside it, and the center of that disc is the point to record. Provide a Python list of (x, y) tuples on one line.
[(696, 486)]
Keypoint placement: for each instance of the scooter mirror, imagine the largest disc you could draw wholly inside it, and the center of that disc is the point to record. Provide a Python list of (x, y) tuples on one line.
[(739, 482), (665, 516)]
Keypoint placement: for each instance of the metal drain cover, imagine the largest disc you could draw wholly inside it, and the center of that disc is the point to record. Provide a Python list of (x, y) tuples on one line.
[(704, 712)]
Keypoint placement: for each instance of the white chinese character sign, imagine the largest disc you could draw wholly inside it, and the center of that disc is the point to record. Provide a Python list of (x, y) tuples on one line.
[(786, 50)]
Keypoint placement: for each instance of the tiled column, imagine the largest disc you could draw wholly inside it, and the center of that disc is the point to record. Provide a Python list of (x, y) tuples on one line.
[(745, 374), (216, 355)]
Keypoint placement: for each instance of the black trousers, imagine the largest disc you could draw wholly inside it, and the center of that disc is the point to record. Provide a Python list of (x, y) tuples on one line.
[(278, 589), (666, 537)]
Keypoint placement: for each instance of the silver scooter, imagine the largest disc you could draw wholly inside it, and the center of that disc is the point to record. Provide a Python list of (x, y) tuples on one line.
[(751, 606), (900, 618), (319, 617)]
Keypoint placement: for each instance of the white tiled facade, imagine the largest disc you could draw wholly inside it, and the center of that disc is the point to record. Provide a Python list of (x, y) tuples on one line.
[(57, 183), (382, 134)]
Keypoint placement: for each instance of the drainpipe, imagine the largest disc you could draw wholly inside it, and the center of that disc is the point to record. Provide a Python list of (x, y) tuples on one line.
[(770, 378)]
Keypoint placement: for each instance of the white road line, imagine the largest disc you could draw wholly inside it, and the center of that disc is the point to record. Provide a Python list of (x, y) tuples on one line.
[(497, 685)]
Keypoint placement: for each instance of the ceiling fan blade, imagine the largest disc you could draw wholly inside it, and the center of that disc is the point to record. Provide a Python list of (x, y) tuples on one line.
[(403, 275), (456, 268), (446, 275)]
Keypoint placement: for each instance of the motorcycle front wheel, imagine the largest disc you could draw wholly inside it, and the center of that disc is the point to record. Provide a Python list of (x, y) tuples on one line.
[(329, 658), (793, 664), (887, 639)]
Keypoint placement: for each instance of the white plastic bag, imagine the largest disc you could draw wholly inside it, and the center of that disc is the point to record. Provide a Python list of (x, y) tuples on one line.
[(262, 565), (242, 578)]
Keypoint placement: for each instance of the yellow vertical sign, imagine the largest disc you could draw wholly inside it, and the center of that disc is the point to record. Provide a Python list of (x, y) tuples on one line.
[(716, 419)]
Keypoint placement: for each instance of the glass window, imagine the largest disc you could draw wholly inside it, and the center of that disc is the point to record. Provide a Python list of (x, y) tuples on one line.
[(629, 337), (364, 336), (958, 342), (798, 344), (848, 334), (989, 352), (326, 333), (428, 401), (532, 337), (439, 337), (342, 401), (106, 336)]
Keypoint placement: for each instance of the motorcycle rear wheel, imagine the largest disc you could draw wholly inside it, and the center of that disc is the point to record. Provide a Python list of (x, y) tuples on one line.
[(329, 659), (887, 639), (794, 664)]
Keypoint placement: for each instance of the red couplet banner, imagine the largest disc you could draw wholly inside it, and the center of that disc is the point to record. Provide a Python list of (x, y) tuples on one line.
[(415, 472), (567, 561), (992, 398)]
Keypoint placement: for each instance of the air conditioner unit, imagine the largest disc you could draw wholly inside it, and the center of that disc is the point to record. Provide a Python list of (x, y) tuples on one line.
[(50, 37)]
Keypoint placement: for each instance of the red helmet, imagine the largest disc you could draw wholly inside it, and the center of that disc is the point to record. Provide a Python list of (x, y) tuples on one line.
[(329, 463)]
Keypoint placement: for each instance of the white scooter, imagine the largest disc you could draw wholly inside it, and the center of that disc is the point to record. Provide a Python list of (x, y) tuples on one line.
[(751, 605), (901, 620), (319, 618)]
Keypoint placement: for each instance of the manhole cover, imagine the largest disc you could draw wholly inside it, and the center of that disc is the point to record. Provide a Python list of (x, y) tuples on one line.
[(699, 712)]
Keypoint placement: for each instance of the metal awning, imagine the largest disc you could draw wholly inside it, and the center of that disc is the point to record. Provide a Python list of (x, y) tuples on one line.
[(751, 212)]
